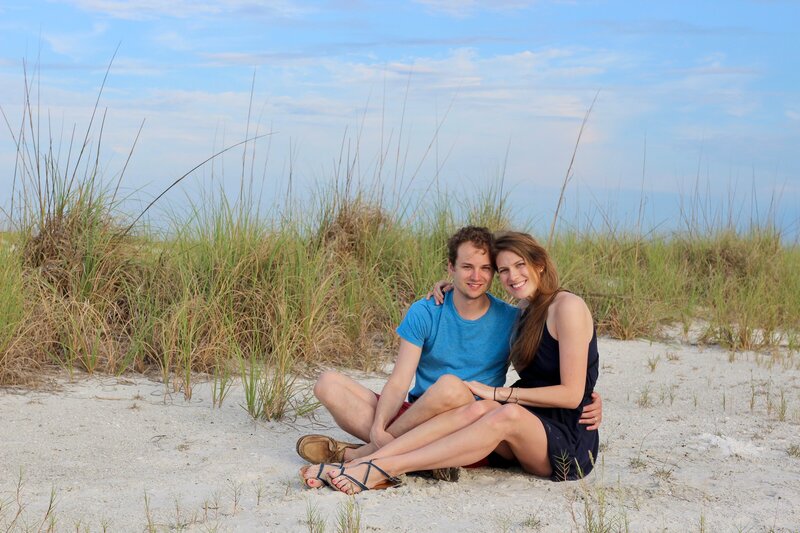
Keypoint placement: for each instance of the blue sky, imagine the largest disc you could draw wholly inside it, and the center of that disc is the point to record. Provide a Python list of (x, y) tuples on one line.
[(438, 89)]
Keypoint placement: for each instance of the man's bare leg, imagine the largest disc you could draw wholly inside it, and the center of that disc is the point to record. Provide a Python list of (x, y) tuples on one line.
[(351, 404)]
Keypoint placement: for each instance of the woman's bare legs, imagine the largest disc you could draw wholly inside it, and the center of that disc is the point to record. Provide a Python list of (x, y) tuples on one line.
[(422, 435), (353, 406), (434, 429), (510, 424)]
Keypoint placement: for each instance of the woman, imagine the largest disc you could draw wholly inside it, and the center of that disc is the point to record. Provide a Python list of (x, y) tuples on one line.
[(533, 423)]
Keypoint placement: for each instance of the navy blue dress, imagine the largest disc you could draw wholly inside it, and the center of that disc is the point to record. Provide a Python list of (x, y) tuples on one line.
[(571, 448)]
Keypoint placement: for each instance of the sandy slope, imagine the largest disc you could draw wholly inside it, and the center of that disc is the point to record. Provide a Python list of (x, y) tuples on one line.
[(710, 447)]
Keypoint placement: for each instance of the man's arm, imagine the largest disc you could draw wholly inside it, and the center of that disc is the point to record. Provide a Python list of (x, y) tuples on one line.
[(394, 392), (592, 414)]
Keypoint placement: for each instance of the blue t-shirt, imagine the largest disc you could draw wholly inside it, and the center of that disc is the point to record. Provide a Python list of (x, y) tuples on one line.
[(474, 350)]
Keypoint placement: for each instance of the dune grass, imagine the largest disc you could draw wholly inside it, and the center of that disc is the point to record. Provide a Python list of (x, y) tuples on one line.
[(230, 294), (230, 291)]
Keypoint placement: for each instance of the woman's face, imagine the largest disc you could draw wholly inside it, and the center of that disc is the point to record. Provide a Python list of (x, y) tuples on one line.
[(519, 278)]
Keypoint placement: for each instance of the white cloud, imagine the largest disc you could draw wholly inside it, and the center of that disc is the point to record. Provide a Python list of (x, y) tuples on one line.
[(791, 114), (513, 77), (185, 9), (291, 59), (465, 8), (668, 27), (173, 41), (64, 44), (713, 85), (74, 44), (135, 67)]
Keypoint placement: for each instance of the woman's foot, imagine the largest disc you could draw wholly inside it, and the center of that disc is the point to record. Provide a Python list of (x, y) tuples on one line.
[(313, 476), (358, 478)]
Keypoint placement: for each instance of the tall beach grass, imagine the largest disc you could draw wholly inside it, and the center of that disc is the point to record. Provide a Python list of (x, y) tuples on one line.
[(231, 291)]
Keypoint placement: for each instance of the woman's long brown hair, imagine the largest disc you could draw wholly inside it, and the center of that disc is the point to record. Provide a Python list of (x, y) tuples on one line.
[(533, 320)]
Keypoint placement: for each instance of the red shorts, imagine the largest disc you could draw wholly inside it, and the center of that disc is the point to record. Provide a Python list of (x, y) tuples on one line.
[(486, 461), (403, 409)]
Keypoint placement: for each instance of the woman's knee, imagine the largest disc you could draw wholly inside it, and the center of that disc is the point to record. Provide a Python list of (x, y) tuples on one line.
[(479, 409), (507, 417)]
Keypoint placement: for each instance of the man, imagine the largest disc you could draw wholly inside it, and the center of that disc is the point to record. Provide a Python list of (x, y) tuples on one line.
[(467, 338)]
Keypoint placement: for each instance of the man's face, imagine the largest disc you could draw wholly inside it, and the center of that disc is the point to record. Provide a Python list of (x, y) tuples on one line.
[(472, 273)]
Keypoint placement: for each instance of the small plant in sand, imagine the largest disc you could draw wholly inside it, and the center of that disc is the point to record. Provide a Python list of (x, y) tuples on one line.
[(637, 463), (598, 513), (671, 393), (13, 516), (503, 522), (644, 399), (652, 363), (663, 473), (151, 525), (348, 517), (182, 521), (532, 523), (236, 495), (794, 451), (250, 375), (314, 520), (221, 382), (562, 467), (211, 505), (768, 395), (783, 407), (260, 491)]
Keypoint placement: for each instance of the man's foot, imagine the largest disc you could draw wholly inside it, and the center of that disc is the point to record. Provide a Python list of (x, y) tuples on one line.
[(363, 476), (440, 474), (318, 449), (445, 474)]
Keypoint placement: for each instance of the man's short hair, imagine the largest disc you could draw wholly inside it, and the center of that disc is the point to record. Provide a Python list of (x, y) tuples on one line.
[(479, 236)]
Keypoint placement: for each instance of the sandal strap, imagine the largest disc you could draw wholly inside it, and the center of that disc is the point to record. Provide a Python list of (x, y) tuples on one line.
[(371, 465), (354, 480), (319, 476)]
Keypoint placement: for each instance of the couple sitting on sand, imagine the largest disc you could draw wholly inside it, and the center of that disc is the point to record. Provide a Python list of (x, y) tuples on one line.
[(545, 422)]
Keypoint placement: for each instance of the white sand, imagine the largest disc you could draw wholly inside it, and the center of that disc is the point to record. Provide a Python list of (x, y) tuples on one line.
[(101, 444)]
